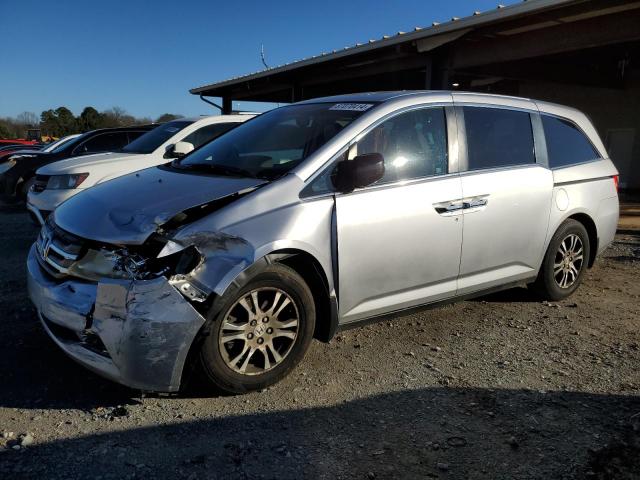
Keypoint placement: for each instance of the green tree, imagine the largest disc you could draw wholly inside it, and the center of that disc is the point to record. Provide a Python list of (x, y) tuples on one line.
[(89, 119), (167, 117), (67, 121), (49, 123)]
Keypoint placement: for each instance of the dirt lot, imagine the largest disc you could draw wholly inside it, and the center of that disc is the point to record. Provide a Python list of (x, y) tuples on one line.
[(502, 387)]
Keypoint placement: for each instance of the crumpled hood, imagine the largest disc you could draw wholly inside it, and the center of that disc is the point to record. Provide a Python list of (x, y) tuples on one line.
[(87, 162), (128, 209)]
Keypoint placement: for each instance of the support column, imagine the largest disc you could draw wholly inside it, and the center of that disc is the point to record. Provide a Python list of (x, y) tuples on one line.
[(428, 76), (227, 106)]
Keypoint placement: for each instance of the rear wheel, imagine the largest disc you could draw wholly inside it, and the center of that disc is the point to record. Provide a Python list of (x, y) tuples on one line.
[(565, 262), (260, 332)]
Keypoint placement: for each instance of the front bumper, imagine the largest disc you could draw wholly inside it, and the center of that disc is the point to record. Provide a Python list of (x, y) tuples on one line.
[(40, 204), (37, 216), (134, 332)]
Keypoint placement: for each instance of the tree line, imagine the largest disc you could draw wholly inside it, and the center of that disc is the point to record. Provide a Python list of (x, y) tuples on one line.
[(61, 121)]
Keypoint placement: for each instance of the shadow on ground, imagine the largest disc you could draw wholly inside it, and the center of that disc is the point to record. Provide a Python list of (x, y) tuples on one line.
[(451, 433)]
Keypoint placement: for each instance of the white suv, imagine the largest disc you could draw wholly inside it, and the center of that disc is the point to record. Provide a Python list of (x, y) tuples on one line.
[(61, 180)]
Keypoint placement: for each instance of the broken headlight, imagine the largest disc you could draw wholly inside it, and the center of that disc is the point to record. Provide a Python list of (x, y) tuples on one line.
[(126, 264), (97, 264)]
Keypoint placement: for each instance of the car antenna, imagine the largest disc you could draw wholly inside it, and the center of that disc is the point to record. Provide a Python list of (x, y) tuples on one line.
[(264, 62)]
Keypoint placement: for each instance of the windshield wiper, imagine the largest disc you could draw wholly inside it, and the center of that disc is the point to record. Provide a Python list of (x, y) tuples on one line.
[(227, 170)]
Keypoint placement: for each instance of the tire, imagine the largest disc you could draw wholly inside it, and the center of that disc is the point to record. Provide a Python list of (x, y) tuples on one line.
[(265, 334), (557, 280)]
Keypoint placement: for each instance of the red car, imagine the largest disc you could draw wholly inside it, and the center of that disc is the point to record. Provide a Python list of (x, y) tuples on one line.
[(17, 141)]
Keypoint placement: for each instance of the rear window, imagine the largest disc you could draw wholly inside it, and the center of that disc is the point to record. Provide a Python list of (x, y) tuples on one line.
[(498, 137), (566, 144)]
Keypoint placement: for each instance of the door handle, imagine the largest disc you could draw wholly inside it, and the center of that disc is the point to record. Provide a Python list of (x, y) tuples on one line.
[(475, 202), (452, 207)]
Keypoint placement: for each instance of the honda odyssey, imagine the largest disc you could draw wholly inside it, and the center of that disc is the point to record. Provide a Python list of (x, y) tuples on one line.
[(313, 217)]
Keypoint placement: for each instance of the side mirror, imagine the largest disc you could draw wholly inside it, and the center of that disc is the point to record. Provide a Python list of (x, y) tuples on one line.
[(179, 149), (361, 171)]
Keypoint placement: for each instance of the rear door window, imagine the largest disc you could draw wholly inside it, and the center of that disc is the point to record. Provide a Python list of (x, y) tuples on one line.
[(498, 137), (104, 142), (566, 144)]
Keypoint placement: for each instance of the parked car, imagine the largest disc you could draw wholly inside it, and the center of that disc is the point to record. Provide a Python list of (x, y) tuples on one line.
[(59, 181), (26, 150), (18, 170), (49, 147), (314, 217), (18, 146), (18, 141), (11, 149)]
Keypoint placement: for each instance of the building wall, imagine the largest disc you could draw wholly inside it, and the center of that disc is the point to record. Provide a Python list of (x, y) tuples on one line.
[(614, 112)]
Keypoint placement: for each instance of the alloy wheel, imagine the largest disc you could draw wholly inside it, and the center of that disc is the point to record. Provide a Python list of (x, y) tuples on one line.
[(568, 261), (259, 331)]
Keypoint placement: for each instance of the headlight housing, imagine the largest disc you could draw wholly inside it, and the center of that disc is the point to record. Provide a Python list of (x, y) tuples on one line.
[(6, 166), (68, 181), (124, 264)]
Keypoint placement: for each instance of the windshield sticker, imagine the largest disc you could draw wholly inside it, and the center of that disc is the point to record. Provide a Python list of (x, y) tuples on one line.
[(172, 129), (352, 107)]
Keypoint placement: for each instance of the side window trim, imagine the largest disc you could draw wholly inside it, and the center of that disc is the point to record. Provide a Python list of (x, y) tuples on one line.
[(463, 156), (453, 150), (539, 140)]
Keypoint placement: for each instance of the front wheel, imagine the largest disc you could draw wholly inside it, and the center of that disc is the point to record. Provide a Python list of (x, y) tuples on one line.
[(259, 333), (565, 262)]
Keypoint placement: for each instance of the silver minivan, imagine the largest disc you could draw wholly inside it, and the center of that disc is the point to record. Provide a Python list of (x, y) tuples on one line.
[(313, 217)]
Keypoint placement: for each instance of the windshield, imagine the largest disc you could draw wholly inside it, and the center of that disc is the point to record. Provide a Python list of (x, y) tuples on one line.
[(151, 140), (52, 146), (274, 142)]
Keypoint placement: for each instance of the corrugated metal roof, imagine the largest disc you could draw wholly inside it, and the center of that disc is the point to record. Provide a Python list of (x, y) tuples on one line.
[(476, 19)]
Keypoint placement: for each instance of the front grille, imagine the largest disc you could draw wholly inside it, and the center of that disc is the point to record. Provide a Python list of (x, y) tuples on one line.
[(57, 249), (40, 183)]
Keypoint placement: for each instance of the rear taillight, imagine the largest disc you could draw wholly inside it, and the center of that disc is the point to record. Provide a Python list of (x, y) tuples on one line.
[(616, 180)]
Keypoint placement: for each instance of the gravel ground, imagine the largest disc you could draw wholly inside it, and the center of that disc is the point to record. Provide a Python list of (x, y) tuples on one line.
[(504, 386)]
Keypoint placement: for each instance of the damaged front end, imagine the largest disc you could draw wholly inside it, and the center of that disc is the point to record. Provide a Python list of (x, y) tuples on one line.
[(129, 313)]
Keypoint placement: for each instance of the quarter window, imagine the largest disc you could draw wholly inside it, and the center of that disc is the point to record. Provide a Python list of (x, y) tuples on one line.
[(566, 144), (413, 144), (498, 137)]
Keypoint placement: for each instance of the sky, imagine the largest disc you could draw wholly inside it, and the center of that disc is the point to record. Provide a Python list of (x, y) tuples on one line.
[(144, 56)]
